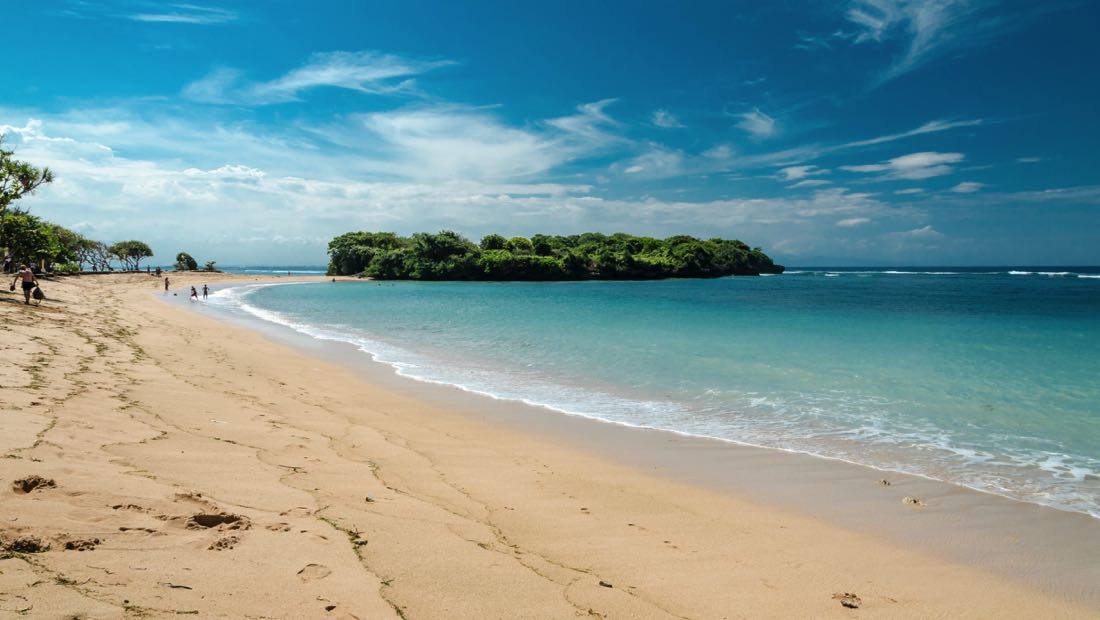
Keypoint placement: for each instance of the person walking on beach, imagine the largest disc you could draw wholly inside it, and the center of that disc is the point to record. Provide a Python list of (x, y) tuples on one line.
[(165, 284), (205, 292), (194, 294), (29, 282)]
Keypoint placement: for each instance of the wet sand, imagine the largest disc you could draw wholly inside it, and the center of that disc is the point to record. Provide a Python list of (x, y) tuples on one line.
[(204, 467)]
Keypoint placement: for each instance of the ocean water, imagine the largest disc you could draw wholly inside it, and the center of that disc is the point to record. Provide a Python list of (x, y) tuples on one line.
[(987, 378), (275, 270)]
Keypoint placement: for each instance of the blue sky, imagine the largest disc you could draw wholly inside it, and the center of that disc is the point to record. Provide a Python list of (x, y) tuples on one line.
[(864, 132)]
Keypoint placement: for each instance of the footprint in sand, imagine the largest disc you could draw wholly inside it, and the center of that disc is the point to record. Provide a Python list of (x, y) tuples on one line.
[(313, 572), (224, 543), (31, 483), (221, 521)]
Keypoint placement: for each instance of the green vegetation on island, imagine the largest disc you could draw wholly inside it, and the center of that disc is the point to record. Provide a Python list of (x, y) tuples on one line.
[(589, 256)]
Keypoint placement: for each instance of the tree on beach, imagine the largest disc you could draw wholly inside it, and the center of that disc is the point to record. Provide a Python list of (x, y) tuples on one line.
[(184, 262), (33, 240), (17, 179), (95, 253), (130, 253)]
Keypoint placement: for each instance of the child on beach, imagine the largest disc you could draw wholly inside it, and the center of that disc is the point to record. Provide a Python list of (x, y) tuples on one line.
[(194, 294)]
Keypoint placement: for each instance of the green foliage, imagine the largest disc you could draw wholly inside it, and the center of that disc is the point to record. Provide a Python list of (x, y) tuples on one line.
[(210, 266), (69, 268), (589, 256), (32, 240), (493, 242), (185, 262), (519, 245), (18, 178), (354, 251), (130, 253)]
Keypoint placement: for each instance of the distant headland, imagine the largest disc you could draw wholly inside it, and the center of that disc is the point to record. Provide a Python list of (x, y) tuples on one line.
[(589, 256)]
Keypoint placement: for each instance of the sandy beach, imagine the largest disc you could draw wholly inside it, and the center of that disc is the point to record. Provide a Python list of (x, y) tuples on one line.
[(160, 462)]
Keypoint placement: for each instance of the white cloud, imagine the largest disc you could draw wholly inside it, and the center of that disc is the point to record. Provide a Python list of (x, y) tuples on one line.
[(657, 162), (666, 120), (757, 124), (721, 151), (909, 191), (365, 72), (1028, 160), (928, 29), (794, 173), (914, 166), (456, 143), (185, 14), (809, 183), (967, 187), (590, 123), (160, 12), (934, 126), (234, 181), (853, 221), (925, 233), (228, 171)]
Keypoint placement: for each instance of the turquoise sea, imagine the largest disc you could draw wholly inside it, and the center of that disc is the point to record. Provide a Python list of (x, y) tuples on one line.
[(988, 378)]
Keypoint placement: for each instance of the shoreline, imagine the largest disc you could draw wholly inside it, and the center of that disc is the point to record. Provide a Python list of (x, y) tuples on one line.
[(128, 401), (956, 522)]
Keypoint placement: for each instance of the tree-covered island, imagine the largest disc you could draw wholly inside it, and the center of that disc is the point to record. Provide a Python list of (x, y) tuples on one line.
[(590, 256)]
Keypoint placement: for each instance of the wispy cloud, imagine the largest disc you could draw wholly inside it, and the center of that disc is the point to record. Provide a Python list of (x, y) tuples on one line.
[(934, 126), (185, 14), (853, 221), (924, 232), (757, 124), (809, 183), (1028, 160), (364, 71), (590, 122), (967, 187), (925, 29), (914, 166), (794, 173), (666, 120), (657, 162), (456, 143), (149, 12)]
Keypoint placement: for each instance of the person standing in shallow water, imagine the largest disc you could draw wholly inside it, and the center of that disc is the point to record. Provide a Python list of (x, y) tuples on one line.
[(194, 294), (205, 292), (29, 282)]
